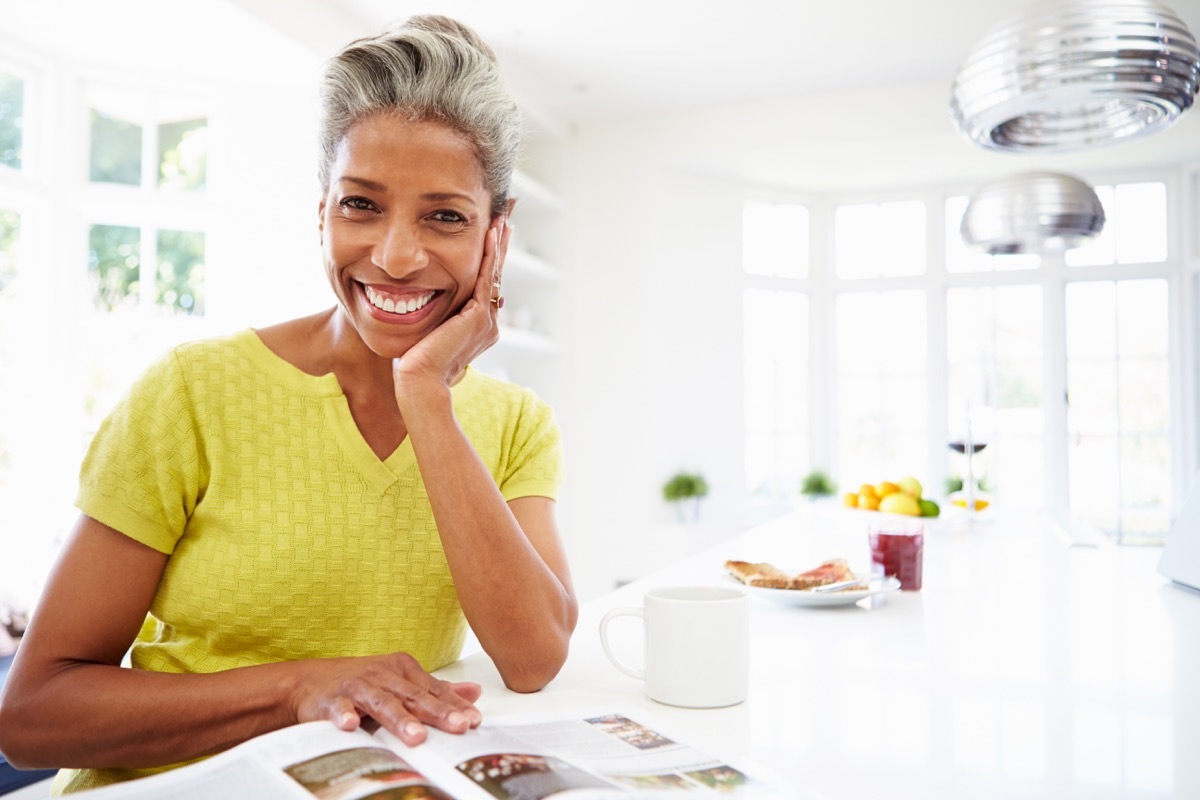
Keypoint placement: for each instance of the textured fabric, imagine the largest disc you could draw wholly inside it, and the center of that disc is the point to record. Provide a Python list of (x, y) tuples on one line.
[(288, 537)]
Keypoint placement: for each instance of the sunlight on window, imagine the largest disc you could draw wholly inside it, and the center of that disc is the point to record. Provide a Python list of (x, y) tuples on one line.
[(116, 150), (880, 240), (1119, 415), (994, 353), (183, 154), (776, 391), (114, 266), (1135, 229), (775, 239), (881, 385), (10, 232), (179, 283), (12, 120)]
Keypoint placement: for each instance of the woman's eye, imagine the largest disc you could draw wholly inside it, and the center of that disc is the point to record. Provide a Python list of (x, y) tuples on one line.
[(451, 217), (357, 204)]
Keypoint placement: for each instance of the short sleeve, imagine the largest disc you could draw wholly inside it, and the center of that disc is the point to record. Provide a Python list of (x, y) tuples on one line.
[(144, 471), (535, 464)]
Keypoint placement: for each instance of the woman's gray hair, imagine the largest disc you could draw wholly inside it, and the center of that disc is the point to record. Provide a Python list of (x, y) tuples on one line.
[(430, 68)]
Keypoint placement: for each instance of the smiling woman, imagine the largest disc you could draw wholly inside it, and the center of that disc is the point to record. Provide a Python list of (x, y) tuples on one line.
[(298, 511)]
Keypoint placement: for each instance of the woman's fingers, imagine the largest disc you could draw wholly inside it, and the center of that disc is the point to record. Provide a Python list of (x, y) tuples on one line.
[(395, 692)]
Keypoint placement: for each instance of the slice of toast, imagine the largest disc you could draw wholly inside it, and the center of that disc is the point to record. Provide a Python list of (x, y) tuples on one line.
[(759, 574), (832, 571), (769, 576)]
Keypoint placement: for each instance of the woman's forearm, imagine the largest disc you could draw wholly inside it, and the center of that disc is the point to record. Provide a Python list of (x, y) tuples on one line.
[(521, 609), (99, 715)]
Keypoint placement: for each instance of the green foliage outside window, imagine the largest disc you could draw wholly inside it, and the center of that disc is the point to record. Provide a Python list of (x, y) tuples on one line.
[(12, 119), (180, 280), (114, 266), (116, 150), (183, 154), (10, 229)]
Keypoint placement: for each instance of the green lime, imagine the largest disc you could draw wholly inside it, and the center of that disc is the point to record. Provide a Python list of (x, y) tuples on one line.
[(929, 508)]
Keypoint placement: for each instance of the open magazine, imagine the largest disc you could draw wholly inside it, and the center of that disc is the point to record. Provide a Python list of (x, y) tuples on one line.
[(602, 757)]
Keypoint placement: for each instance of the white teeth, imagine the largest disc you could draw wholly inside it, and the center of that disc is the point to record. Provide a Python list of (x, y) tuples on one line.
[(393, 306)]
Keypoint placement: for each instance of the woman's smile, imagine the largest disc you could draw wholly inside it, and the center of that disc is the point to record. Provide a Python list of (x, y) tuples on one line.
[(399, 306)]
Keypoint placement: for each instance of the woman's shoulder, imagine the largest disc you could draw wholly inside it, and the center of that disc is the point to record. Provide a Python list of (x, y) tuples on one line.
[(485, 392)]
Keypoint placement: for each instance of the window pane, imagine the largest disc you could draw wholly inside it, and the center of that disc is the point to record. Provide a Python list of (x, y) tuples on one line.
[(183, 154), (116, 150), (10, 230), (881, 397), (1118, 385), (776, 387), (114, 265), (775, 239), (880, 240), (994, 353), (12, 119), (179, 284), (961, 258), (1135, 228)]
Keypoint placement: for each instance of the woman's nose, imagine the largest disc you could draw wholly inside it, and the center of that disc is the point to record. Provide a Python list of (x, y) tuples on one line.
[(399, 251)]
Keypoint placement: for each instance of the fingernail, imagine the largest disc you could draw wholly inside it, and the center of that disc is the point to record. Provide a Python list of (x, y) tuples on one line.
[(457, 720), (413, 728)]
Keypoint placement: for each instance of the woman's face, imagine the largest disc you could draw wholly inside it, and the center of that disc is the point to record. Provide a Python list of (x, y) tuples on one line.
[(402, 228)]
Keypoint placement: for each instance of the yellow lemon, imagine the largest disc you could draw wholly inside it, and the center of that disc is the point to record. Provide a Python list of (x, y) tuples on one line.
[(850, 499), (900, 503), (910, 485)]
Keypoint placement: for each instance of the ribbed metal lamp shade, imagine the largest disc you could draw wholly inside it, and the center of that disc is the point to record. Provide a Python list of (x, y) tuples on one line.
[(1077, 75), (1035, 212)]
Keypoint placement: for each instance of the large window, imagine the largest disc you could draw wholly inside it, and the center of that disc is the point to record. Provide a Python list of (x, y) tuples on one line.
[(103, 246), (775, 248), (1067, 359)]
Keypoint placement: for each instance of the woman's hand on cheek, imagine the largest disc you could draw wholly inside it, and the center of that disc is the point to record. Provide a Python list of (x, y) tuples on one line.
[(447, 350)]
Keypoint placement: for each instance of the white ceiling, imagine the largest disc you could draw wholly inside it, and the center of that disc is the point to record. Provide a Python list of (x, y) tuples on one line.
[(594, 59), (582, 60), (573, 61)]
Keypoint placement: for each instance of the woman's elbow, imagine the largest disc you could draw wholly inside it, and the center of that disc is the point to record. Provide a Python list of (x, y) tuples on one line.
[(532, 673), (536, 662), (14, 744)]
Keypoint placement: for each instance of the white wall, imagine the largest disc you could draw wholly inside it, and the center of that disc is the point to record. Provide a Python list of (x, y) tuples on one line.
[(655, 284)]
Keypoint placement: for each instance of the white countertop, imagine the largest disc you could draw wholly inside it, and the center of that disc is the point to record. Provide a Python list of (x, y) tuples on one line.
[(1023, 668)]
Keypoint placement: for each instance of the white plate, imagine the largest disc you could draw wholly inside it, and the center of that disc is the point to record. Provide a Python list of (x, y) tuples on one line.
[(807, 597)]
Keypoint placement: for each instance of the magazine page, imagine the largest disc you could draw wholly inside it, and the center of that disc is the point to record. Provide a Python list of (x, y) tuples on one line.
[(606, 756), (250, 771)]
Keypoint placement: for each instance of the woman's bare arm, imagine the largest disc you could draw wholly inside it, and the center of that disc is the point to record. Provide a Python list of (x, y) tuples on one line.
[(68, 702), (507, 560)]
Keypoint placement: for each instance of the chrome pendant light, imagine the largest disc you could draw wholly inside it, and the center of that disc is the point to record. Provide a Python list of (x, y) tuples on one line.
[(1080, 74), (1034, 212)]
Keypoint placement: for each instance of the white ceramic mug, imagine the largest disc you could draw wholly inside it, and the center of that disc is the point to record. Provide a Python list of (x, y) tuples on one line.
[(697, 645)]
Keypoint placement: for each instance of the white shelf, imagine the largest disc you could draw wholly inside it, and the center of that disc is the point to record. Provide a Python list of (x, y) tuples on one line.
[(529, 190), (521, 263), (521, 339)]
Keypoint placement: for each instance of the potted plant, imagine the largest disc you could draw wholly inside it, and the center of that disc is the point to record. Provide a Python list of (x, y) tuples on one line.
[(686, 490), (817, 484)]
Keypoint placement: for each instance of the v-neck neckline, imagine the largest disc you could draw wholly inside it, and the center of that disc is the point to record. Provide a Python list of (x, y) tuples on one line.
[(380, 473)]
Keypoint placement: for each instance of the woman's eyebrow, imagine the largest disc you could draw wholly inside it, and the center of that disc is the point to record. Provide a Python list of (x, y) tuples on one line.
[(366, 183), (376, 186)]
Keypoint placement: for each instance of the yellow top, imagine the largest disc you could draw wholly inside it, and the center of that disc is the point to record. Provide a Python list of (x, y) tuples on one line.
[(288, 537)]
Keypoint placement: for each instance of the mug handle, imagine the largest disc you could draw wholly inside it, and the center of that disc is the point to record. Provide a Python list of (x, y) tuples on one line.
[(633, 672)]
